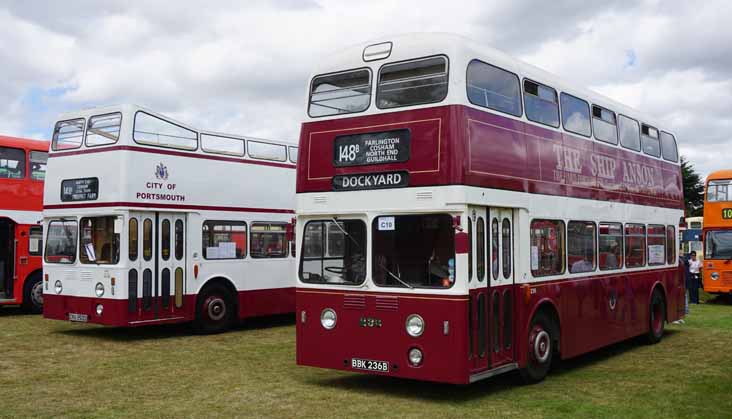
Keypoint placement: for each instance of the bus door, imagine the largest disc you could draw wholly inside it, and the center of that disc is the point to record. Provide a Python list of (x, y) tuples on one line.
[(170, 281), (142, 256), (478, 351), (8, 247), (500, 286)]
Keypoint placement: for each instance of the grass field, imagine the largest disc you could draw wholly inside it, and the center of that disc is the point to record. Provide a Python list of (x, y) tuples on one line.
[(50, 368)]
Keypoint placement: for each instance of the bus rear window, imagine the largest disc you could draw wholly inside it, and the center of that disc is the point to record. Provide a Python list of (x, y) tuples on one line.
[(334, 252), (100, 240), (414, 251), (412, 83), (12, 163), (340, 93), (68, 134), (61, 242)]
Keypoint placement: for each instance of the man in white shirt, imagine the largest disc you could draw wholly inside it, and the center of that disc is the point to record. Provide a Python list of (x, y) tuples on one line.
[(694, 270)]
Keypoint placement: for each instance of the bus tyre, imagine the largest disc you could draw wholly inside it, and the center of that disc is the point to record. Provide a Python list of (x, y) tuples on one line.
[(214, 310), (656, 318), (33, 294), (540, 348)]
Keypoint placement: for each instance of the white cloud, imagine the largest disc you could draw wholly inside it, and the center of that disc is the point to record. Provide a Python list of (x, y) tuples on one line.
[(242, 67)]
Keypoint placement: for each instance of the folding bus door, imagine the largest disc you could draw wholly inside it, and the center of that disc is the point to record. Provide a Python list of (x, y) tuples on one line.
[(142, 259), (500, 288), (478, 352), (170, 281)]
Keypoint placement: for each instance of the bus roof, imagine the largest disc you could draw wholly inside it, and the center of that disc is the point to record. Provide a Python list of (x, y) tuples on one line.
[(26, 143), (461, 50), (720, 174)]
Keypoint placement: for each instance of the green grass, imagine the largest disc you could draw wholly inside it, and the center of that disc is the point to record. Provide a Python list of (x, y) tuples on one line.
[(56, 369)]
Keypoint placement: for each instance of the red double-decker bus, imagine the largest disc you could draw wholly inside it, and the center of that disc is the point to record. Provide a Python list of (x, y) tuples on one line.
[(462, 214), (22, 170)]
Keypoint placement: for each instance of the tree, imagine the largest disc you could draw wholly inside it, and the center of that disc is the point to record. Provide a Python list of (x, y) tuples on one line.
[(693, 189)]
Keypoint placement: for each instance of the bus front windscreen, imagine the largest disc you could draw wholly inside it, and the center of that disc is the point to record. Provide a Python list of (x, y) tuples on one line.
[(61, 242), (718, 244), (334, 252), (414, 251)]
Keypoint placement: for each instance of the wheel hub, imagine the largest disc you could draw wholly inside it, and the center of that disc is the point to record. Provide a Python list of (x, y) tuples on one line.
[(216, 308), (37, 294), (540, 344)]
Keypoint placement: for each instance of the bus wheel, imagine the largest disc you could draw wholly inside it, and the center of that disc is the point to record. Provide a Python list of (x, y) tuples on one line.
[(657, 318), (33, 294), (541, 337), (214, 311)]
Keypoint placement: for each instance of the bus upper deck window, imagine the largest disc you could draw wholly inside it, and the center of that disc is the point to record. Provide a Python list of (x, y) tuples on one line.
[(668, 147), (541, 103), (68, 134), (340, 93), (412, 83), (493, 88), (650, 141), (103, 129)]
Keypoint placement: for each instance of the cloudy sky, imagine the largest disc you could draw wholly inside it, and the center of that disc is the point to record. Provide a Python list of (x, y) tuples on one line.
[(243, 66)]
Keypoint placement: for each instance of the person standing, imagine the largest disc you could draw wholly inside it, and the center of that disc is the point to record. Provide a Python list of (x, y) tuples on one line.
[(694, 268)]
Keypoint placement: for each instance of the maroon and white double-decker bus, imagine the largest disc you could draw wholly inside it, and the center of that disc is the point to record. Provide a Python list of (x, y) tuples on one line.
[(462, 214)]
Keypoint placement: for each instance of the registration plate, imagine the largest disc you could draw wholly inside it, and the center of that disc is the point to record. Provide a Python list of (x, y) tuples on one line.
[(369, 365), (75, 317)]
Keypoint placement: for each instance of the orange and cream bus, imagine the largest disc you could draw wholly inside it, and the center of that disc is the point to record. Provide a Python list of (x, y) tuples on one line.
[(717, 272)]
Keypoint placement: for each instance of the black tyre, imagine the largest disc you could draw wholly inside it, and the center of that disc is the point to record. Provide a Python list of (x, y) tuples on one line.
[(214, 310), (656, 317), (541, 339), (33, 294)]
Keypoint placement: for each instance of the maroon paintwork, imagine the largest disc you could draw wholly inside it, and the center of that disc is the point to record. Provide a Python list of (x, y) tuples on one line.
[(458, 145), (583, 305), (251, 303)]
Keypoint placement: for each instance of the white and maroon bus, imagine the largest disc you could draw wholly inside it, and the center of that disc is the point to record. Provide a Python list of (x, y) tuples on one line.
[(152, 221), (461, 214)]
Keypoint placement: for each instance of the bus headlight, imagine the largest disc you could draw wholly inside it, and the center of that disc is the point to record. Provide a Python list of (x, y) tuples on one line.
[(415, 357), (58, 287), (328, 318), (99, 289), (715, 276), (100, 309), (415, 325)]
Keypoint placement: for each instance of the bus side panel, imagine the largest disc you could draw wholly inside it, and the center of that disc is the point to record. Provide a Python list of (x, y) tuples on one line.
[(266, 302)]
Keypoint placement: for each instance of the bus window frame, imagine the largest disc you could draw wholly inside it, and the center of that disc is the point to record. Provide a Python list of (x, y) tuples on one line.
[(375, 86), (592, 123), (54, 140), (134, 123), (219, 152), (88, 122), (658, 139), (589, 114), (676, 145), (518, 81), (620, 137), (371, 92), (556, 95)]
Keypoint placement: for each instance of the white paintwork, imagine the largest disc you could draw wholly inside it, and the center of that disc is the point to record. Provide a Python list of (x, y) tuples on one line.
[(205, 183), (459, 200)]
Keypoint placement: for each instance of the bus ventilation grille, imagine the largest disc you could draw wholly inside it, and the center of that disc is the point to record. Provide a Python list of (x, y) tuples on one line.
[(354, 302), (387, 303)]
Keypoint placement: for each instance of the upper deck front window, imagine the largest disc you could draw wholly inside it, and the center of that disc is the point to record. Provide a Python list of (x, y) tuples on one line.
[(414, 251), (340, 93), (334, 252), (719, 190), (68, 134), (12, 163), (410, 83)]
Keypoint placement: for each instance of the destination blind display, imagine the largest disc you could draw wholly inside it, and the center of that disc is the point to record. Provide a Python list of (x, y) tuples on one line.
[(372, 148), (370, 181), (86, 189)]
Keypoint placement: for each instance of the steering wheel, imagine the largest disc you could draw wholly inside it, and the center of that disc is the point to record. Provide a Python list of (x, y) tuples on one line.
[(338, 270)]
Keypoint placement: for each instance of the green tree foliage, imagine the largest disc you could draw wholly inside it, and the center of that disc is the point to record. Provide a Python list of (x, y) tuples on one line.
[(693, 189)]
